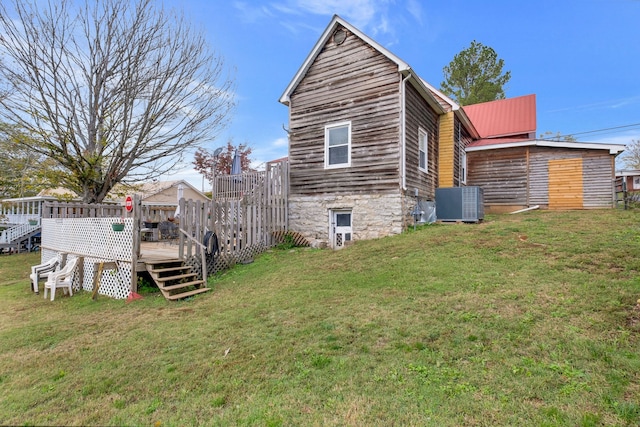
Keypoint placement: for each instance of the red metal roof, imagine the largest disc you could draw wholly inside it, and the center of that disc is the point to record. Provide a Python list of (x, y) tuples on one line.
[(504, 117)]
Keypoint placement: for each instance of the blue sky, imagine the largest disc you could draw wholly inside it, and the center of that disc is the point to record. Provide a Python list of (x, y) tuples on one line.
[(580, 57)]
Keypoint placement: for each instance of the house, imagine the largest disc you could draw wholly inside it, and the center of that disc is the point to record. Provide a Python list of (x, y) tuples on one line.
[(369, 140), (631, 178), (516, 170), (363, 140), (160, 192)]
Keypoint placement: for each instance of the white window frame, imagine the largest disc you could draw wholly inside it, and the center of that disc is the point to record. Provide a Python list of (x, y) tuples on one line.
[(327, 130), (423, 147), (463, 167)]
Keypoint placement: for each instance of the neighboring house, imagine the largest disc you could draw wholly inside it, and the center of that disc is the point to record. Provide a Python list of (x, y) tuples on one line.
[(631, 177), (363, 140), (516, 170), (161, 192)]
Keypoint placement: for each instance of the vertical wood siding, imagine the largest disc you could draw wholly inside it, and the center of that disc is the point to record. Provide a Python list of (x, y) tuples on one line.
[(420, 115), (447, 151), (347, 82), (565, 183)]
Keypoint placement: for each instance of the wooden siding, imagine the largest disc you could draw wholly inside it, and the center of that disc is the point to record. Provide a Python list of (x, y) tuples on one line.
[(502, 174), (447, 150), (597, 175), (461, 138), (420, 115), (598, 179), (347, 82), (522, 177), (565, 183)]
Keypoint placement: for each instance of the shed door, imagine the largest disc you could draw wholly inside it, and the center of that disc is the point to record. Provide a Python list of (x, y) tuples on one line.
[(340, 228), (565, 184)]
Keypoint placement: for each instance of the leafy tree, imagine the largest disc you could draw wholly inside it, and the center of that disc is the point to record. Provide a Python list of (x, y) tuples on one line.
[(111, 90), (475, 75), (631, 156), (24, 173), (206, 162)]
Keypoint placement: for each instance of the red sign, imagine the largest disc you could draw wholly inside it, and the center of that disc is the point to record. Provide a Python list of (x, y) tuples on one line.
[(128, 203)]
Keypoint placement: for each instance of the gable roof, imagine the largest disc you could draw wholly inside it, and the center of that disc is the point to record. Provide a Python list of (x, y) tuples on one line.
[(504, 117), (403, 67)]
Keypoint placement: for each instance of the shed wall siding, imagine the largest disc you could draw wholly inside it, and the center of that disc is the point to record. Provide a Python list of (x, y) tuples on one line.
[(502, 174), (565, 183), (597, 175), (347, 82), (520, 177), (420, 115)]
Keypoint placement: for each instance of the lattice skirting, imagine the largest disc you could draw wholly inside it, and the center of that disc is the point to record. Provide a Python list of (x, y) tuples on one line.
[(224, 261), (114, 283)]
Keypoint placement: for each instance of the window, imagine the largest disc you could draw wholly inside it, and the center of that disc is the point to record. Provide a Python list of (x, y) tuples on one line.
[(337, 145), (463, 167), (423, 146)]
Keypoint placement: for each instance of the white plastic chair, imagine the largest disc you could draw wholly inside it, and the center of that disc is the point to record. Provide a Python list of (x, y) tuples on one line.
[(62, 278), (41, 271)]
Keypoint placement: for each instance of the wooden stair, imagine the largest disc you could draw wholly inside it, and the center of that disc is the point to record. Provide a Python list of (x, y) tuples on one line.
[(174, 279)]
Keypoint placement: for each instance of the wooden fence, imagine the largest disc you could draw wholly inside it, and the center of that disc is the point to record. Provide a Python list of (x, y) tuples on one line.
[(247, 217), (154, 213), (256, 213)]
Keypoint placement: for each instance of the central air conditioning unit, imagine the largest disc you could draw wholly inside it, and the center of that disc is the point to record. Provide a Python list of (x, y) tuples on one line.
[(465, 204)]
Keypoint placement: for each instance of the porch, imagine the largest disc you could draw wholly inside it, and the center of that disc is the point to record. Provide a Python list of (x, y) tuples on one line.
[(204, 237)]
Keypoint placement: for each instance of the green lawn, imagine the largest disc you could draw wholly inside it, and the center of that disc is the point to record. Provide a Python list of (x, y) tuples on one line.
[(528, 319)]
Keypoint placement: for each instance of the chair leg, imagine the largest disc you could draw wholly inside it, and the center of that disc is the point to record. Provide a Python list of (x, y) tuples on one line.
[(53, 292)]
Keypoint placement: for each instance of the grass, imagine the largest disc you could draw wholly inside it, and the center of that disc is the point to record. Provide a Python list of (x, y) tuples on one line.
[(527, 319)]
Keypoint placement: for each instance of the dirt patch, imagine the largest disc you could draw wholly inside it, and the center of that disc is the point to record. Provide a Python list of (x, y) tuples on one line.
[(633, 320)]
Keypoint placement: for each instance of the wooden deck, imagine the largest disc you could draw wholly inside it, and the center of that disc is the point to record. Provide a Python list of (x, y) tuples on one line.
[(151, 252)]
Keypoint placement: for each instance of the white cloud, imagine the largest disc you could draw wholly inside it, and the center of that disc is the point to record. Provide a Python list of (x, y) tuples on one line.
[(415, 9), (281, 142)]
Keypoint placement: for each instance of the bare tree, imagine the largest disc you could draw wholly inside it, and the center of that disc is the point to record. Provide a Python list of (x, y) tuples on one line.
[(114, 90), (631, 156)]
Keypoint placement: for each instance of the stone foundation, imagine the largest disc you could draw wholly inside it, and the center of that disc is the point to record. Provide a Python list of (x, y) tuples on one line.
[(373, 215)]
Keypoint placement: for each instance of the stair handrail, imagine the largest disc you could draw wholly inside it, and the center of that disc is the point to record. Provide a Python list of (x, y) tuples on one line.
[(202, 255), (13, 233)]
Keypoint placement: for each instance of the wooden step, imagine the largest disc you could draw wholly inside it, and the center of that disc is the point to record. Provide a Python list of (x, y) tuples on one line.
[(180, 285), (169, 269), (179, 277), (187, 294), (163, 261)]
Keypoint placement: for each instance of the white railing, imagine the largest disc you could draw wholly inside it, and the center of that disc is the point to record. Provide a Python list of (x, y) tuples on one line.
[(18, 218), (11, 234)]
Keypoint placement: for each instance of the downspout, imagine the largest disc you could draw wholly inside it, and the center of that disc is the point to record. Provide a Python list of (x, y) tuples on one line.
[(403, 132)]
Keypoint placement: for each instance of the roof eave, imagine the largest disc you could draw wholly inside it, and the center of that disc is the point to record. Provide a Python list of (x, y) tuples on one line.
[(423, 89), (614, 149)]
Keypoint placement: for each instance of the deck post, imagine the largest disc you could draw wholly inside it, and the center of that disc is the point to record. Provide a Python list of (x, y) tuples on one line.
[(135, 252)]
